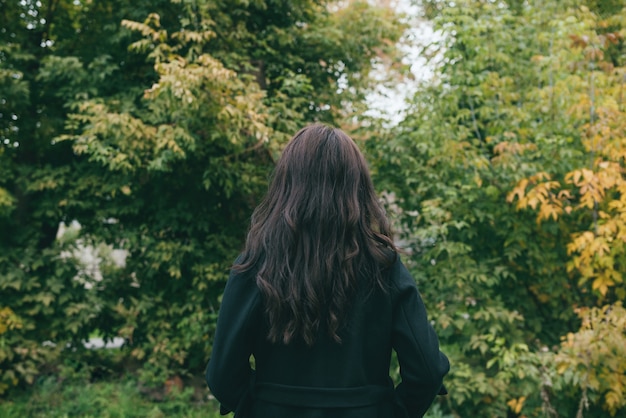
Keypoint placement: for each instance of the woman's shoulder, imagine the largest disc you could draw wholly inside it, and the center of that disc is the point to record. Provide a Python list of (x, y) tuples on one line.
[(399, 276), (241, 296), (243, 268), (241, 279)]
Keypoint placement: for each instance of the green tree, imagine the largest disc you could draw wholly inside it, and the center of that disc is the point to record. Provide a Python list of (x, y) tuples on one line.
[(155, 126), (507, 118)]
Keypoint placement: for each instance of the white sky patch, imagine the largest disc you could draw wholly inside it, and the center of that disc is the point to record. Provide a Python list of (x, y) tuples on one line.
[(390, 101)]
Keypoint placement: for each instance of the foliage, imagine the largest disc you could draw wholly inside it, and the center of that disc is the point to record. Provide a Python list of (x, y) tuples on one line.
[(147, 129), (593, 357), (49, 398), (524, 113), (154, 125)]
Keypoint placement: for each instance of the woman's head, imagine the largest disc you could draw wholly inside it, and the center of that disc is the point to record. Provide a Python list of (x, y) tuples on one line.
[(321, 183), (319, 233)]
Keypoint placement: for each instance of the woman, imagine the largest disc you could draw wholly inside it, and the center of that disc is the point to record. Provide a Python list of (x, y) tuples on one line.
[(319, 298)]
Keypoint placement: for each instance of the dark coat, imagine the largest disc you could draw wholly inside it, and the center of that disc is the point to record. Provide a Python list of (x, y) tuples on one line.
[(329, 380)]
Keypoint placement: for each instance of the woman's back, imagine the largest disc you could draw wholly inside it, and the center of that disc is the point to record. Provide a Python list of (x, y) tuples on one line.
[(320, 298), (328, 378)]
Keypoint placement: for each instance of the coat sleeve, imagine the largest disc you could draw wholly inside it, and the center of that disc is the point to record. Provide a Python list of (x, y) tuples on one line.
[(422, 365), (228, 373)]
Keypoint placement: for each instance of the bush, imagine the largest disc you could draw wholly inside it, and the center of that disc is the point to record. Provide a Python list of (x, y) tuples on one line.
[(51, 398)]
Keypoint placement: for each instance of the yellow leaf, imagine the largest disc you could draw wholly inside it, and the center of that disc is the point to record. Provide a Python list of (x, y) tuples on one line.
[(516, 405), (518, 191), (564, 194), (602, 284), (576, 175)]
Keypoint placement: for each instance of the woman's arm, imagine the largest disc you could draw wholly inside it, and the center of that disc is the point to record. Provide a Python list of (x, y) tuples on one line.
[(229, 373), (422, 365)]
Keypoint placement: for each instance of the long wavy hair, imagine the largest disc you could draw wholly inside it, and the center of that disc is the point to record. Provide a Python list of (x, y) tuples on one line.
[(319, 234)]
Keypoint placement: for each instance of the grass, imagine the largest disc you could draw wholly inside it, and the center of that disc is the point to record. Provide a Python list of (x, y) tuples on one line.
[(51, 398)]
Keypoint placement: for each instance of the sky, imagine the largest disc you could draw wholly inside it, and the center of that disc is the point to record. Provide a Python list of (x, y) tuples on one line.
[(391, 102)]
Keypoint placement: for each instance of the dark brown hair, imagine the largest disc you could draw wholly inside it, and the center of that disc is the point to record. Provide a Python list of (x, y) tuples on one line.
[(319, 233)]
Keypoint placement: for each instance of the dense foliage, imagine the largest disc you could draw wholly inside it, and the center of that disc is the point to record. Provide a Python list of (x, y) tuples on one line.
[(154, 125), (120, 398), (148, 129), (507, 177)]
